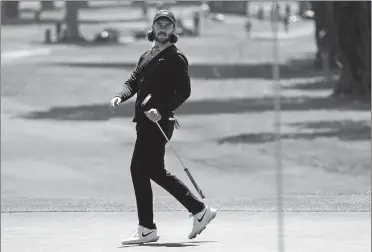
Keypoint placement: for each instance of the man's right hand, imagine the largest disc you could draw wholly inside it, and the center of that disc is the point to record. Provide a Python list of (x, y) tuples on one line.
[(114, 103)]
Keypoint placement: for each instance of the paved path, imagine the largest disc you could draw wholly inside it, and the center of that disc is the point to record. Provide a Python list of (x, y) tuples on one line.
[(231, 231)]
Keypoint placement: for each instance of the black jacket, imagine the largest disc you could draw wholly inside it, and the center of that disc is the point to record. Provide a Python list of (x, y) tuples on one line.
[(165, 77)]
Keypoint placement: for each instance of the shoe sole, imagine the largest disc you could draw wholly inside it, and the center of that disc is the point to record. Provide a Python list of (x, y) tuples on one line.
[(135, 243), (201, 230)]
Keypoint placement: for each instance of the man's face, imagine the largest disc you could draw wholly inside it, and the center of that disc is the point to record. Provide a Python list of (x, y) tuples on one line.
[(163, 28)]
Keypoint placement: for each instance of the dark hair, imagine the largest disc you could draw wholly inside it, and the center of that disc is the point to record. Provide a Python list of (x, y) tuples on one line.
[(151, 37)]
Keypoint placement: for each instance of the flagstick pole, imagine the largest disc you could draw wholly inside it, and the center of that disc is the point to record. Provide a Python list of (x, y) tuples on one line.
[(277, 119)]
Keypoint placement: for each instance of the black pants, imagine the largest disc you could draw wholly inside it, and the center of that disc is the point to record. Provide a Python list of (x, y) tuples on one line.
[(148, 163)]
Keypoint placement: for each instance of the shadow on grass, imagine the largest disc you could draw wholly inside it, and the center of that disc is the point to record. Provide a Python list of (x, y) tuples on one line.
[(314, 85), (343, 130), (206, 107), (292, 69), (169, 244)]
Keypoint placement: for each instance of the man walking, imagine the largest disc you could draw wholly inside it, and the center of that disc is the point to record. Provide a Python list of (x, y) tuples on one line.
[(162, 72)]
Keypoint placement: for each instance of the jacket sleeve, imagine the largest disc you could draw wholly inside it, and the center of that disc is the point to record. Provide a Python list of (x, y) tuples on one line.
[(130, 87), (181, 81)]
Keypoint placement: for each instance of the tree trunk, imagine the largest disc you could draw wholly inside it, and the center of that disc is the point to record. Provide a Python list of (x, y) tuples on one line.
[(47, 5), (303, 6), (72, 23), (84, 4), (228, 7), (9, 10), (348, 26), (353, 29), (324, 33)]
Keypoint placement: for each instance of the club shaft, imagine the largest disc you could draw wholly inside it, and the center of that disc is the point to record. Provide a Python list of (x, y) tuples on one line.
[(170, 144), (194, 183), (184, 167)]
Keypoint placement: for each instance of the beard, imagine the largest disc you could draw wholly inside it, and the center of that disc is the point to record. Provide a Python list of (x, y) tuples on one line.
[(163, 39)]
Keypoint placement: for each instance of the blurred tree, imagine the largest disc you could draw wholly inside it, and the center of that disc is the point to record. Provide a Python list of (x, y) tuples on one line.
[(347, 26), (144, 5), (247, 8), (353, 34), (260, 13), (303, 6), (9, 10), (84, 4), (72, 23), (47, 5), (228, 7), (288, 10), (325, 41)]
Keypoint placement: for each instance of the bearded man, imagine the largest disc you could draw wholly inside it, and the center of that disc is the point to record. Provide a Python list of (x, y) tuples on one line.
[(161, 72)]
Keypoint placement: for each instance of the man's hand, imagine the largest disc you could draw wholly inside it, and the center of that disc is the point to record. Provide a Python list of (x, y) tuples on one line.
[(153, 115), (114, 103)]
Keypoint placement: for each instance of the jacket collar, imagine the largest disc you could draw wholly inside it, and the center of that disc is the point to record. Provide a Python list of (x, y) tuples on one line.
[(160, 49), (165, 50)]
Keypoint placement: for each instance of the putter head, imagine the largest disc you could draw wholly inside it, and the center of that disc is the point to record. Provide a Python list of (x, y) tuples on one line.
[(145, 101)]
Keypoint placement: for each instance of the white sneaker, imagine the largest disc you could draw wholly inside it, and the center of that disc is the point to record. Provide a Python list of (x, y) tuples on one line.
[(142, 235), (201, 220)]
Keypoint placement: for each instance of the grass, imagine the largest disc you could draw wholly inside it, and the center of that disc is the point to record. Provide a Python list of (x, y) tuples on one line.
[(62, 150)]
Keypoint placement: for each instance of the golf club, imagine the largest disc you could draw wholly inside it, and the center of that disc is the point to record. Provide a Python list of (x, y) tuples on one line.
[(145, 101)]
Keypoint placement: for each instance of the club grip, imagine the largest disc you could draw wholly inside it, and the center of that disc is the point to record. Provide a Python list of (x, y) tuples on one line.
[(194, 183)]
